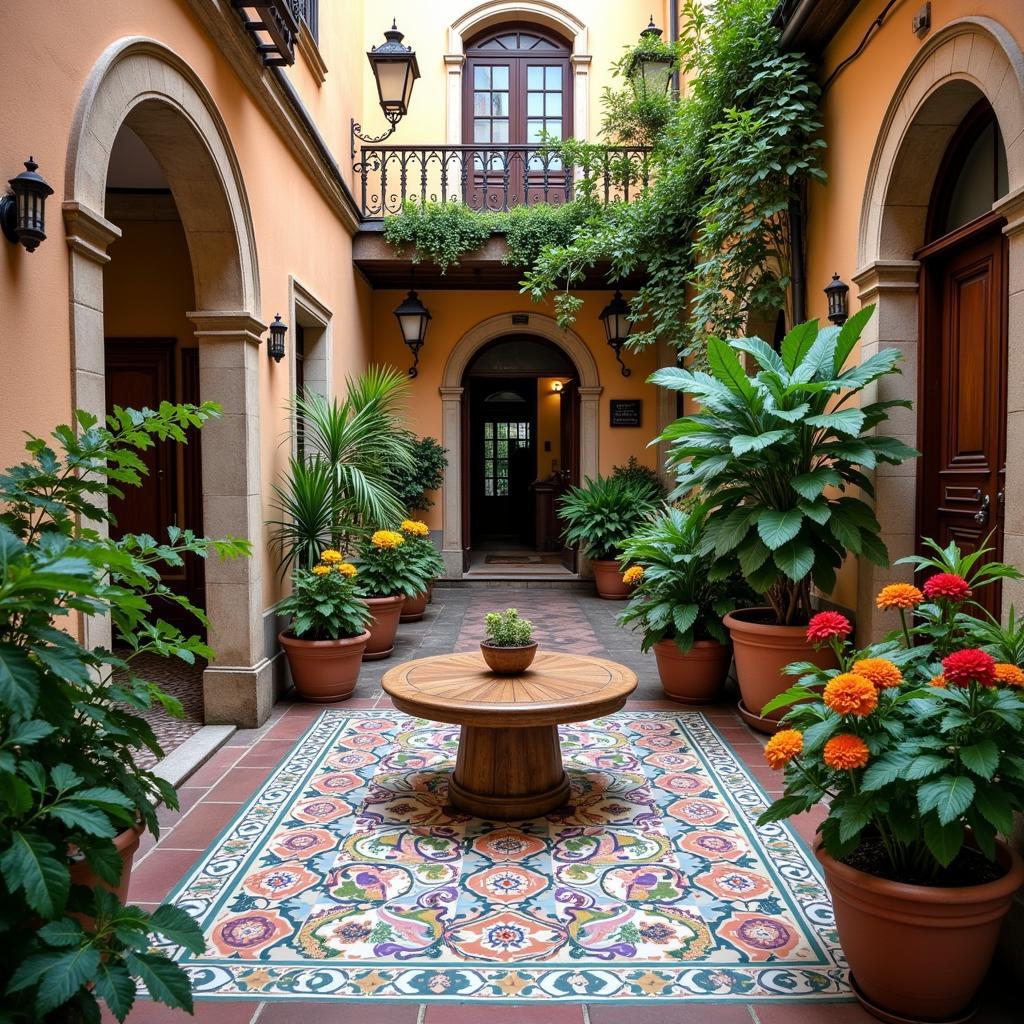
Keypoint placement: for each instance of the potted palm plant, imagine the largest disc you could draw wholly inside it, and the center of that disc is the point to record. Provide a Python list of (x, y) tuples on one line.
[(75, 798), (679, 606), (599, 517), (419, 547), (772, 457), (916, 746), (509, 648), (328, 635)]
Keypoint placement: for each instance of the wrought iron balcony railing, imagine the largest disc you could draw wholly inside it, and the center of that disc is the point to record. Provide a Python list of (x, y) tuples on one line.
[(489, 177)]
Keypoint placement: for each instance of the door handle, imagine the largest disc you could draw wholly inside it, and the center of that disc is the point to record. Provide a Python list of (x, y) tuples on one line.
[(981, 516)]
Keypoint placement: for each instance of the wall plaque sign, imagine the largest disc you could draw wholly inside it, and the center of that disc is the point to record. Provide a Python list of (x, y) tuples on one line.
[(626, 412)]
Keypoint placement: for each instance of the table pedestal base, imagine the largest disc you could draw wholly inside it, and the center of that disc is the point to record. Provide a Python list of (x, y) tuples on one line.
[(508, 774)]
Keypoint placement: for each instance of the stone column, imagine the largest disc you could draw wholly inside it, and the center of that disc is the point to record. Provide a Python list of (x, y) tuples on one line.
[(238, 688), (454, 63), (893, 286), (451, 432), (580, 63)]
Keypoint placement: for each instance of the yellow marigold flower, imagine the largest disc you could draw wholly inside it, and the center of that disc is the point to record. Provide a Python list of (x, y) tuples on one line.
[(414, 528), (846, 752), (899, 595), (346, 569), (783, 747), (634, 574), (880, 671), (321, 570), (940, 681), (1009, 674), (850, 694), (330, 556), (387, 539)]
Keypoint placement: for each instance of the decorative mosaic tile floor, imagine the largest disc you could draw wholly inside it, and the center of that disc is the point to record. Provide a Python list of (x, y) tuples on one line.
[(346, 876)]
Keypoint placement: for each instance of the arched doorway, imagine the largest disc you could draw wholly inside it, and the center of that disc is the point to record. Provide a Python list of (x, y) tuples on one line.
[(141, 87), (521, 439)]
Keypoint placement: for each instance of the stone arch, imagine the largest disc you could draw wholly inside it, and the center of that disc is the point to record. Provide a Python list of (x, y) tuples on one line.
[(141, 83), (964, 61), (451, 400), (541, 12)]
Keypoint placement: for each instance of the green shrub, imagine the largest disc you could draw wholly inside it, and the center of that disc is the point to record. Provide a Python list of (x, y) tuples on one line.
[(602, 513), (389, 564), (507, 629), (423, 474), (635, 471)]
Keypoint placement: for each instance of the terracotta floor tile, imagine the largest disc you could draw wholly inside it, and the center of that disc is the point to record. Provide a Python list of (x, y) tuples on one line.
[(155, 876), (365, 1012), (200, 826), (568, 1013), (668, 1012), (238, 784), (266, 754), (819, 1013), (223, 1011)]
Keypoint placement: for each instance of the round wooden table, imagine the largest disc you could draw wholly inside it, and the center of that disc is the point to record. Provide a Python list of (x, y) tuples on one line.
[(509, 764)]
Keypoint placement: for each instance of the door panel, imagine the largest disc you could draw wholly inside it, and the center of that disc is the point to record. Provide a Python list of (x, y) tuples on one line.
[(570, 468)]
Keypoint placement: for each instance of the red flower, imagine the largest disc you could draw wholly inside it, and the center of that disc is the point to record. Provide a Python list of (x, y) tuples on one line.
[(826, 625), (947, 585), (970, 666)]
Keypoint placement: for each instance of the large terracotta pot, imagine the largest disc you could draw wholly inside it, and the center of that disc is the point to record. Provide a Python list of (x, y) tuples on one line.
[(918, 953), (324, 671), (126, 843), (762, 651), (608, 577), (414, 608), (508, 661), (695, 677), (384, 626)]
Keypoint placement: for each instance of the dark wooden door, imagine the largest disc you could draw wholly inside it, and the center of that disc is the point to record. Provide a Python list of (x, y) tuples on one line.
[(140, 373), (570, 445), (963, 414)]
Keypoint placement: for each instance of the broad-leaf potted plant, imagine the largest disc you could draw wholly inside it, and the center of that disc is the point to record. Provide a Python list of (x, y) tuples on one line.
[(509, 648), (391, 571), (328, 635), (771, 459), (420, 548), (599, 517), (73, 796), (916, 746), (679, 607)]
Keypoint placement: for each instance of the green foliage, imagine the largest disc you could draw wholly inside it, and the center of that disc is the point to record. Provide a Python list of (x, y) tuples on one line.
[(71, 718), (507, 629), (771, 458), (391, 563), (941, 759), (324, 604), (677, 598), (342, 488), (412, 483), (642, 475), (601, 514)]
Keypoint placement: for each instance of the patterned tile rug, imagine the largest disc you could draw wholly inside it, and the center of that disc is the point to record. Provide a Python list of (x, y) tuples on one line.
[(346, 877)]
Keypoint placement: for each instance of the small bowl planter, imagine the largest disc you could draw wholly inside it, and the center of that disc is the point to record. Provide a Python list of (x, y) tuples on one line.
[(386, 612), (608, 579), (324, 671), (696, 677), (414, 608), (508, 661)]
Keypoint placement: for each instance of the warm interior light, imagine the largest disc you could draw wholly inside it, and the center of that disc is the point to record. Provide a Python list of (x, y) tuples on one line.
[(557, 386)]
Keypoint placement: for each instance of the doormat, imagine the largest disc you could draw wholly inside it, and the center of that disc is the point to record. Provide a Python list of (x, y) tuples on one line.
[(346, 878), (552, 559)]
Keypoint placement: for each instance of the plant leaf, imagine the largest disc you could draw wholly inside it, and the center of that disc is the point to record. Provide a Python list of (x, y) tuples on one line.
[(776, 528), (948, 795)]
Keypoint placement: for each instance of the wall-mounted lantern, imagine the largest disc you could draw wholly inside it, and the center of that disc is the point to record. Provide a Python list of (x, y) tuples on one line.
[(275, 347), (838, 306), (413, 318), (651, 71), (23, 209), (395, 70), (617, 326), (557, 387)]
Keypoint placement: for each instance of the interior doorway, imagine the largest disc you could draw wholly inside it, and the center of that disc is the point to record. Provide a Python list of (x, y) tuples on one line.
[(520, 453)]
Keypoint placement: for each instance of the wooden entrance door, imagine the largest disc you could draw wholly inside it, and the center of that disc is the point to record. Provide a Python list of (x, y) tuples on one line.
[(570, 442), (141, 373), (963, 412)]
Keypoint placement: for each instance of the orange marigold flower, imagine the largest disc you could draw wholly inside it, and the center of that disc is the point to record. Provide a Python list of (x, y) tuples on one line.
[(783, 747), (899, 595), (1009, 674), (387, 539), (330, 555), (939, 681), (846, 752), (851, 694), (346, 569), (880, 671), (634, 574), (321, 570), (414, 528)]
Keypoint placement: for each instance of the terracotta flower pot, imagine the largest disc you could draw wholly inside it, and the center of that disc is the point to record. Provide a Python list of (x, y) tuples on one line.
[(414, 608), (508, 661), (324, 671), (385, 612), (695, 677), (762, 651), (126, 843), (608, 577), (918, 953)]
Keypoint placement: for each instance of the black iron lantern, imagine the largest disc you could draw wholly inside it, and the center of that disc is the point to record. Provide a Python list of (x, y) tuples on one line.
[(617, 326), (413, 318), (395, 69), (838, 307), (275, 347), (651, 72), (22, 210)]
